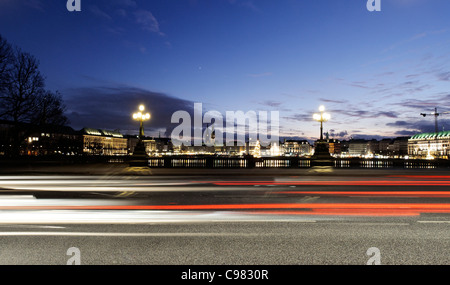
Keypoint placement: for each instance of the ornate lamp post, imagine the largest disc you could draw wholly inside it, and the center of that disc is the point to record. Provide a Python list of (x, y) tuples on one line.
[(321, 155), (322, 117), (141, 117), (139, 157)]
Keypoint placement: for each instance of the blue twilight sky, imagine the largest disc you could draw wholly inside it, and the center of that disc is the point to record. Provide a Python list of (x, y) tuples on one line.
[(374, 71)]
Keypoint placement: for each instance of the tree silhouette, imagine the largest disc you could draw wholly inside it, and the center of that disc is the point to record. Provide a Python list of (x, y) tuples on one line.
[(25, 83), (23, 98), (6, 60), (50, 109)]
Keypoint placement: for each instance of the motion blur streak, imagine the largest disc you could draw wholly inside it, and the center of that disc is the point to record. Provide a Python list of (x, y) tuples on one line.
[(403, 206), (421, 176), (346, 212), (436, 194), (335, 183)]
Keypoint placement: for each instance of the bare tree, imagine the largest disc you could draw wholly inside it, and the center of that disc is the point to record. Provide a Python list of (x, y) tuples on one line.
[(6, 60), (23, 98), (21, 87), (25, 83), (50, 109)]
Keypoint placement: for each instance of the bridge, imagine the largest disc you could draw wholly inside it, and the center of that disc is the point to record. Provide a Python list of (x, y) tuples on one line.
[(230, 162), (289, 162)]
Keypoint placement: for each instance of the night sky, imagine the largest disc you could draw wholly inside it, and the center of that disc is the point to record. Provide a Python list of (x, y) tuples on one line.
[(374, 71)]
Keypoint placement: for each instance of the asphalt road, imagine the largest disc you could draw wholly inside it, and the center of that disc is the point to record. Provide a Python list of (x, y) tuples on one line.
[(311, 242), (315, 216)]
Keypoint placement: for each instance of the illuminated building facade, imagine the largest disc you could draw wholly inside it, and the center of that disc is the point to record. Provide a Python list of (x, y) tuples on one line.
[(38, 140), (231, 148), (103, 142), (430, 145), (334, 146), (52, 140), (153, 145), (297, 147), (394, 148)]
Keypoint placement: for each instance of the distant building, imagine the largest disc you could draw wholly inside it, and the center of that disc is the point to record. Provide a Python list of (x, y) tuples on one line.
[(37, 140), (430, 145), (296, 147), (358, 147), (334, 146), (103, 142), (344, 147), (6, 137), (153, 146), (201, 149), (399, 147), (373, 147), (231, 148), (383, 146), (52, 140)]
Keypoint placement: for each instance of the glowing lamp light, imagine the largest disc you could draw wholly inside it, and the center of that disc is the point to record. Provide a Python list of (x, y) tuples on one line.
[(322, 117), (141, 117)]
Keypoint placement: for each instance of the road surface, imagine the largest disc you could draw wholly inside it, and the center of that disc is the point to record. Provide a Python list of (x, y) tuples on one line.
[(309, 217)]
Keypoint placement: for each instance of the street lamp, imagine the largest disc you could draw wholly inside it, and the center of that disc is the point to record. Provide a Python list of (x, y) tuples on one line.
[(141, 117), (322, 117)]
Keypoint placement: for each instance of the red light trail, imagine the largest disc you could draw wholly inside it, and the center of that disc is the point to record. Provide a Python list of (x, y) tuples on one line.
[(435, 194), (329, 183), (316, 208)]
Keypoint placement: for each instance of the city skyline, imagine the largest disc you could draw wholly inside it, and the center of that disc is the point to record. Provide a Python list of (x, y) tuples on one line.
[(374, 71)]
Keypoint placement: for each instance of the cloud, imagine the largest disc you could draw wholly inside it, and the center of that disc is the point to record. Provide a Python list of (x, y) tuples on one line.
[(405, 133), (338, 135), (122, 11), (271, 103), (333, 101), (399, 124), (420, 126), (362, 114), (444, 76), (423, 106), (413, 38), (299, 118), (147, 21), (360, 84), (387, 114), (368, 137), (111, 107), (383, 74), (99, 13)]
